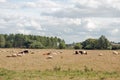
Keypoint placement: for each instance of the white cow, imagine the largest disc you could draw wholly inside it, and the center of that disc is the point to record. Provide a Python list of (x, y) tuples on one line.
[(115, 52)]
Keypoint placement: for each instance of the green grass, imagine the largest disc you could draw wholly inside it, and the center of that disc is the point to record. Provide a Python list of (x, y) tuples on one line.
[(58, 74)]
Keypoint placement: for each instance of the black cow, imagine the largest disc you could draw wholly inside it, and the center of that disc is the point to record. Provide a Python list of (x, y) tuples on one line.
[(83, 52), (26, 51), (76, 52)]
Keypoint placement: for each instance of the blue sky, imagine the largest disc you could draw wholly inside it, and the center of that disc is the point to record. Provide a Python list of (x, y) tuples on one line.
[(71, 20)]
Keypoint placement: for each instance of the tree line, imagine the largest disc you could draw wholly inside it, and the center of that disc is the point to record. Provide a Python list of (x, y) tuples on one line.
[(43, 42), (100, 43), (30, 41)]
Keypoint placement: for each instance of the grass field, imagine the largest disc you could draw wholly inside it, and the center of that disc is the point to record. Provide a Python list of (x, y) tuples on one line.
[(63, 66)]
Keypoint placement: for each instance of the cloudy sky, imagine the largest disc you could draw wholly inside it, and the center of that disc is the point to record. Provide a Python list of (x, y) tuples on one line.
[(71, 20)]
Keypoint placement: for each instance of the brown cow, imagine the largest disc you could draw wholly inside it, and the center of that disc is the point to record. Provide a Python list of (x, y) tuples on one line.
[(47, 53)]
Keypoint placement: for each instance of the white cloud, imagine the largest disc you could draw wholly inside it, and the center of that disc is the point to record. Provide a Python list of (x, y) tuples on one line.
[(3, 1), (23, 31), (43, 4), (89, 24), (72, 20), (75, 21), (30, 4), (114, 31), (36, 25), (90, 3)]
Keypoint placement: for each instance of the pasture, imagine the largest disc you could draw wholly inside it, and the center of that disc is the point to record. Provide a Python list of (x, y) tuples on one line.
[(63, 65)]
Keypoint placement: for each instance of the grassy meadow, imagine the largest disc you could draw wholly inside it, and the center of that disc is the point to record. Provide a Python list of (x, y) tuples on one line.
[(63, 66)]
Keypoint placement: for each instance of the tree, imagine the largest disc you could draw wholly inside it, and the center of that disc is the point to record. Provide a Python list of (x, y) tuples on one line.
[(8, 44), (89, 43), (10, 40), (78, 46), (19, 40), (103, 43), (2, 41), (62, 45), (36, 45)]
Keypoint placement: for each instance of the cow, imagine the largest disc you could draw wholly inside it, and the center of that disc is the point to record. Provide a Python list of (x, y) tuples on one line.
[(76, 52), (47, 53), (26, 51), (20, 55), (49, 57), (100, 54), (14, 55), (83, 52), (115, 52)]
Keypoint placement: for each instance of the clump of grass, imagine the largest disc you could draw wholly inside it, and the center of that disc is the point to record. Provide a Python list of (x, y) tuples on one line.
[(57, 68), (6, 74), (86, 69), (102, 78)]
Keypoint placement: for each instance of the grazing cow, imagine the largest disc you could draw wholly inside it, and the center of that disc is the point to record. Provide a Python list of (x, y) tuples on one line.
[(115, 52)]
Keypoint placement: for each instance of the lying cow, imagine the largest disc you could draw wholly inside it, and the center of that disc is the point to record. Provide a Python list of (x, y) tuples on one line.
[(47, 53), (24, 52), (76, 52), (81, 52), (115, 52)]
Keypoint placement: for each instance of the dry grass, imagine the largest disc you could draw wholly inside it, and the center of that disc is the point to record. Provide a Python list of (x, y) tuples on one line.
[(38, 61), (35, 60)]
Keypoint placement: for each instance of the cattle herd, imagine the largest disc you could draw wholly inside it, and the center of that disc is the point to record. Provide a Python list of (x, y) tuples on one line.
[(51, 53), (19, 54)]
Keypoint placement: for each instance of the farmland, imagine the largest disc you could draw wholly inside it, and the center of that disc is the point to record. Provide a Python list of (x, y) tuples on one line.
[(63, 66)]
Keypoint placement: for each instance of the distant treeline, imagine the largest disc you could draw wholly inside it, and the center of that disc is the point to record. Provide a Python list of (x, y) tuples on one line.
[(43, 42), (30, 41), (100, 43)]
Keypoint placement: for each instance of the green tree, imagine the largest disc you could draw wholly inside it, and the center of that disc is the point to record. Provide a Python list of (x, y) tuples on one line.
[(19, 40), (78, 46), (89, 43), (10, 40), (103, 43), (2, 41), (8, 44), (36, 45), (62, 45)]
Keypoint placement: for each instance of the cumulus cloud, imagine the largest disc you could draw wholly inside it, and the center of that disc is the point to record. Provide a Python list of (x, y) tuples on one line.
[(72, 20), (1, 1), (91, 8), (22, 31), (115, 31)]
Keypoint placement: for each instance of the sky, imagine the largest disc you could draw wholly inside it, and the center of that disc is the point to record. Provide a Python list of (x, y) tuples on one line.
[(71, 20)]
